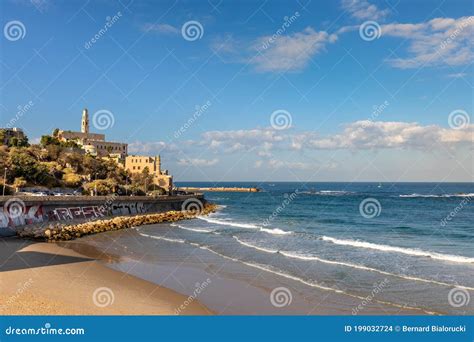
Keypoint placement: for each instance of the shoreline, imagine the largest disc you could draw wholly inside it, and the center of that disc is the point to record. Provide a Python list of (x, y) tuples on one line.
[(236, 289), (41, 278)]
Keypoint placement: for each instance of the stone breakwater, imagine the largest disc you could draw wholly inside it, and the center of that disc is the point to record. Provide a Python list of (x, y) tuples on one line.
[(63, 232)]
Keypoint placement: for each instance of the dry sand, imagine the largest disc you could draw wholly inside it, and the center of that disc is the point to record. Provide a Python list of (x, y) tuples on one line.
[(46, 279)]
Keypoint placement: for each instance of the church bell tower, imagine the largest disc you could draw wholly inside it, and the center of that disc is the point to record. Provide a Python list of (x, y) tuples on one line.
[(85, 121)]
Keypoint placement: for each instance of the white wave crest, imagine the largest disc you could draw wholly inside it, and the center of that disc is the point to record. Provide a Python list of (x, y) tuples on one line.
[(197, 230), (415, 195), (402, 250), (347, 264), (228, 223), (273, 231), (162, 238)]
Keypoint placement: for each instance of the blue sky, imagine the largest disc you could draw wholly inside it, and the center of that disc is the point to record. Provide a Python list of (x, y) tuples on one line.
[(361, 90)]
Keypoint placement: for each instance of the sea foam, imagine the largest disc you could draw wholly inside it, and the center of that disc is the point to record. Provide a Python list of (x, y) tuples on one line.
[(402, 250)]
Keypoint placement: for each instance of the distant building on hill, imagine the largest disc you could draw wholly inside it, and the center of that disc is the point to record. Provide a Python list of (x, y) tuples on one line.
[(93, 143), (12, 136), (136, 164)]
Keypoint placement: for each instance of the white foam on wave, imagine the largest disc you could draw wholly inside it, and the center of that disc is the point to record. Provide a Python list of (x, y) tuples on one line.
[(197, 230), (266, 250), (328, 192), (347, 264), (274, 231), (402, 250), (415, 195), (228, 223), (162, 238)]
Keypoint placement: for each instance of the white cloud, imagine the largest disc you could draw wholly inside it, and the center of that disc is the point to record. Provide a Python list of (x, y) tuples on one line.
[(289, 52), (439, 41), (266, 143), (363, 10), (381, 135), (276, 52), (160, 28), (359, 135), (148, 147), (198, 162), (278, 164)]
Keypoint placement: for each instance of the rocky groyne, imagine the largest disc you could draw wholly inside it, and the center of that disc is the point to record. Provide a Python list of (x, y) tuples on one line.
[(63, 232)]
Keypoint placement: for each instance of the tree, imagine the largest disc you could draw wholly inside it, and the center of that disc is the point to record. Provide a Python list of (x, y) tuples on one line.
[(102, 186), (47, 140), (18, 183), (71, 179)]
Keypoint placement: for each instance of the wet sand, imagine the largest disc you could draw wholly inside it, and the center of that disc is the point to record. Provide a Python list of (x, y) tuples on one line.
[(47, 279)]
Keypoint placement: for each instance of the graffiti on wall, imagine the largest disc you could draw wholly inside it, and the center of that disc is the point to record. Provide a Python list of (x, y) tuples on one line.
[(31, 214), (39, 213)]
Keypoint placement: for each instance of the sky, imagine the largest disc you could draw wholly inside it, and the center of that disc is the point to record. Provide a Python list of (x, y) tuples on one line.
[(350, 90)]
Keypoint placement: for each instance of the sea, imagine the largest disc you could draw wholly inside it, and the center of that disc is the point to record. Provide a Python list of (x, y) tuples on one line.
[(317, 248)]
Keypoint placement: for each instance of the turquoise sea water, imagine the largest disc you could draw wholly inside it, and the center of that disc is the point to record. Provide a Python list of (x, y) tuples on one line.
[(413, 241)]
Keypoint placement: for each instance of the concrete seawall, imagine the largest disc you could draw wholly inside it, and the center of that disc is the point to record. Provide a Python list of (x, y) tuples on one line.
[(17, 211)]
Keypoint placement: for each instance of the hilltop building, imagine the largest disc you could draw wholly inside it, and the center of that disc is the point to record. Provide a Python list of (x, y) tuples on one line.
[(93, 143), (8, 136), (136, 164)]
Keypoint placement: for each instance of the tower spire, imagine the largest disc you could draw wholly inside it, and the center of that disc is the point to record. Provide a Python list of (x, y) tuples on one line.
[(85, 121)]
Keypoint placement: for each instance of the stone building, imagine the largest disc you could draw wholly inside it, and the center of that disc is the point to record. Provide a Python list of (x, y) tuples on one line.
[(9, 134), (136, 164), (93, 143)]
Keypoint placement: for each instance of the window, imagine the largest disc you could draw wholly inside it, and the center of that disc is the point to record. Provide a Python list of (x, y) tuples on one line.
[(134, 167)]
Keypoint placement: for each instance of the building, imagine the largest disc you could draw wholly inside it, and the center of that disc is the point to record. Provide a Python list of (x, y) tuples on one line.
[(11, 136), (93, 143), (136, 164)]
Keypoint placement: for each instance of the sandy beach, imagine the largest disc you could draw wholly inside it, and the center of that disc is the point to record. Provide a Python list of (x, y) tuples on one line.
[(46, 279)]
